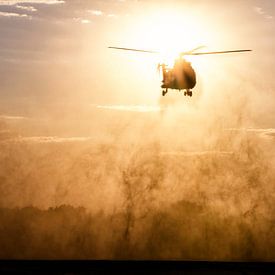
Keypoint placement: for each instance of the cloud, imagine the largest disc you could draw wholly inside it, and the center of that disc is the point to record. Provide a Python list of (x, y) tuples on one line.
[(112, 15), (5, 117), (96, 12), (196, 153), (270, 132), (85, 21), (14, 2), (268, 16), (130, 108), (261, 131), (13, 14), (82, 20), (27, 8), (260, 11), (50, 139)]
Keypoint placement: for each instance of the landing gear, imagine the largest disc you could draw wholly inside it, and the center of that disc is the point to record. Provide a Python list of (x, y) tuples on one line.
[(188, 93), (164, 92)]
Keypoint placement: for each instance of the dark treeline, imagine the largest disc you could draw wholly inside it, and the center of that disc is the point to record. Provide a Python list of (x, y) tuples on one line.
[(183, 231)]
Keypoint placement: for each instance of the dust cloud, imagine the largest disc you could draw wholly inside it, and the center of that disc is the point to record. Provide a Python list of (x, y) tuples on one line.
[(187, 179)]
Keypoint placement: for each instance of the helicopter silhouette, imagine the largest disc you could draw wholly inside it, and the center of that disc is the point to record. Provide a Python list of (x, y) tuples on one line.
[(181, 76)]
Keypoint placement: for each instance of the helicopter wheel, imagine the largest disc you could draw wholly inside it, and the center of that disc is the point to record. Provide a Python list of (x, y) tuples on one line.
[(164, 92), (188, 92)]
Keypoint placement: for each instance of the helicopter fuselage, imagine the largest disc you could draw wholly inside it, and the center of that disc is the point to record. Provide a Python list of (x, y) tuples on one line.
[(181, 77)]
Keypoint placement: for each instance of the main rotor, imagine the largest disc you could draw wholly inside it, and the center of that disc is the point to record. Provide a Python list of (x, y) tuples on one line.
[(182, 54)]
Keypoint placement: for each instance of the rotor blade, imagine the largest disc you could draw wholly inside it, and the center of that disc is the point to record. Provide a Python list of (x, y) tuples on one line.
[(195, 49), (133, 50), (203, 53)]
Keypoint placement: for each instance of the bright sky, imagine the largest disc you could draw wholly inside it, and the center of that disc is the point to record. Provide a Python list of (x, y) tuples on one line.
[(57, 50)]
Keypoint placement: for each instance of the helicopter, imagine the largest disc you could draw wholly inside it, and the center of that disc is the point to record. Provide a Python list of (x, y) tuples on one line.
[(181, 76)]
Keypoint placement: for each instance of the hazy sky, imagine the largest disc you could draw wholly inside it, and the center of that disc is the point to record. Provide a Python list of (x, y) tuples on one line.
[(57, 50)]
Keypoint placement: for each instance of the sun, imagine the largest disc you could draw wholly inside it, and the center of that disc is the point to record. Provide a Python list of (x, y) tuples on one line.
[(171, 32)]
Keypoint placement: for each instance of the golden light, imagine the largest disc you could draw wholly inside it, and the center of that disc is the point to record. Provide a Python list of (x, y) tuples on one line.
[(171, 31)]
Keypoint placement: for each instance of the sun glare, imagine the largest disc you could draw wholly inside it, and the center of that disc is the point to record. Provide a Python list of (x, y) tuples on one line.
[(172, 32), (169, 31)]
